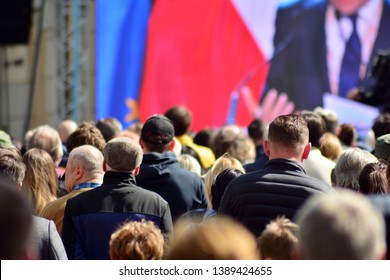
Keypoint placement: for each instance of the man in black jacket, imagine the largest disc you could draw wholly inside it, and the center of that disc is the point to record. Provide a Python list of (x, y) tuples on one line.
[(91, 217), (161, 173), (282, 186)]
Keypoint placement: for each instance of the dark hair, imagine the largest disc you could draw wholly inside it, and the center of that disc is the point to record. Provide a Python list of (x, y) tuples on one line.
[(220, 183), (204, 137), (316, 125), (181, 118), (289, 130), (256, 129), (381, 125), (86, 134), (372, 178), (109, 127), (15, 221), (347, 134)]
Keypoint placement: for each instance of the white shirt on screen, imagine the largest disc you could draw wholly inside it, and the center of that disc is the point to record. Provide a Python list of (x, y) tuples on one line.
[(338, 31)]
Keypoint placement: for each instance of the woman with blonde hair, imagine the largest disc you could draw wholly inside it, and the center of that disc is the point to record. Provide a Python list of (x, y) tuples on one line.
[(223, 162), (217, 238), (40, 184)]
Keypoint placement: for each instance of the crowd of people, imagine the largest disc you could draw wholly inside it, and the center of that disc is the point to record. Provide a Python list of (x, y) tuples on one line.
[(299, 187)]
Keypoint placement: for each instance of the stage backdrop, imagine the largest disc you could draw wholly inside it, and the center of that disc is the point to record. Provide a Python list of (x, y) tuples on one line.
[(152, 55)]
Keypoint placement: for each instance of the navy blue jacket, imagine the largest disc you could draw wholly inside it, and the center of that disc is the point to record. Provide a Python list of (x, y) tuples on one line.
[(256, 198), (260, 161), (182, 189), (91, 217), (382, 203)]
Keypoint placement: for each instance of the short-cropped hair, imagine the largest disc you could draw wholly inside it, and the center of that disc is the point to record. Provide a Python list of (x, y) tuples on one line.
[(289, 130), (137, 240), (123, 154)]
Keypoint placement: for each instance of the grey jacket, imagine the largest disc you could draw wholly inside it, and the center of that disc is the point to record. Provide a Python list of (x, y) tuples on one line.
[(46, 239)]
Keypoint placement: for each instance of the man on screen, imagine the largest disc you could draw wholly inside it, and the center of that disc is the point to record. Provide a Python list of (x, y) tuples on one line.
[(326, 46)]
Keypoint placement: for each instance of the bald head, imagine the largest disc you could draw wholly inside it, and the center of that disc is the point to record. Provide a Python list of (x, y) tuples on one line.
[(85, 164), (66, 128)]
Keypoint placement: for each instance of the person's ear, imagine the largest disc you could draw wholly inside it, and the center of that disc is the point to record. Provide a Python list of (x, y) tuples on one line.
[(79, 172), (266, 146), (136, 171), (104, 166), (306, 151)]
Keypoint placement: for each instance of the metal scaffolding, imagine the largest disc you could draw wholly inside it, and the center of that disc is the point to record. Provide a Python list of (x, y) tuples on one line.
[(73, 65)]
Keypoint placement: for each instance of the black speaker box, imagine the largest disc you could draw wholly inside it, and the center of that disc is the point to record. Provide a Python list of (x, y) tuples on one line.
[(15, 21)]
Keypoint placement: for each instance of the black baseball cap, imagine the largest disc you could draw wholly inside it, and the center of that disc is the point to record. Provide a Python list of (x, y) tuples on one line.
[(157, 130)]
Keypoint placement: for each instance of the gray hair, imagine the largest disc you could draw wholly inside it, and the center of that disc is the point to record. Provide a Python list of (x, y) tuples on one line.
[(47, 138), (123, 154), (341, 225), (349, 165), (89, 157)]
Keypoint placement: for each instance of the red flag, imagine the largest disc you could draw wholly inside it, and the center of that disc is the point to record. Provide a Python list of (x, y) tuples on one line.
[(198, 53)]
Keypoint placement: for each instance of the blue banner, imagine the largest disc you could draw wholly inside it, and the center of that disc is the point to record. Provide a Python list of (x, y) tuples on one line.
[(121, 31)]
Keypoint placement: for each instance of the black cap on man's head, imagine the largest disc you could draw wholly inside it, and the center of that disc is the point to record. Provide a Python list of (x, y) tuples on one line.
[(157, 130)]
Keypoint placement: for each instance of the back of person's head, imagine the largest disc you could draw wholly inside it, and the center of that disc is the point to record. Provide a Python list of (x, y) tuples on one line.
[(372, 178), (137, 240), (187, 150), (86, 134), (349, 165), (316, 125), (256, 130), (15, 222), (181, 118), (122, 154), (231, 139), (40, 183), (221, 163), (220, 183), (348, 134), (382, 147), (330, 117), (204, 137), (90, 159), (279, 240), (47, 138), (109, 127), (136, 128), (331, 146), (289, 132), (66, 128), (11, 165), (190, 163), (5, 140), (381, 125), (157, 134), (217, 238), (341, 225)]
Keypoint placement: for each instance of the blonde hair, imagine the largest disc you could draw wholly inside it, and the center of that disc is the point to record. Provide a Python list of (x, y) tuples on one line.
[(190, 163), (217, 238), (137, 241), (278, 241), (330, 146), (223, 162), (40, 183)]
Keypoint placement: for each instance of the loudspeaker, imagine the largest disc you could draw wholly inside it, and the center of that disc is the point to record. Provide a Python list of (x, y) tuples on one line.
[(15, 21)]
